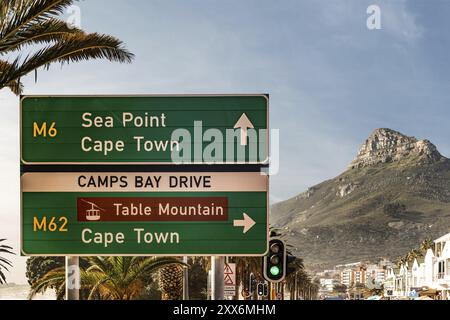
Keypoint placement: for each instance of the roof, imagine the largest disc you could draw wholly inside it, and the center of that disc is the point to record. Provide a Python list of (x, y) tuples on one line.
[(420, 260), (443, 238)]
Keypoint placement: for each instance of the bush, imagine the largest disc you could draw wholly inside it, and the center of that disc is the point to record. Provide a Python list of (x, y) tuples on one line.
[(392, 209)]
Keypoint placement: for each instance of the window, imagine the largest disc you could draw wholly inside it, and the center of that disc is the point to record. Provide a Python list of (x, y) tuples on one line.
[(441, 269)]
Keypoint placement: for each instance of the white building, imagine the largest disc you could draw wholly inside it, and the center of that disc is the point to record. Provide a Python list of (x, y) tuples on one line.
[(442, 266), (347, 277), (431, 272), (327, 284), (375, 275)]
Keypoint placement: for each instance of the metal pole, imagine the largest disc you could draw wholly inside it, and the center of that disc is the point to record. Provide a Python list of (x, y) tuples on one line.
[(73, 281), (218, 264), (208, 284), (185, 280)]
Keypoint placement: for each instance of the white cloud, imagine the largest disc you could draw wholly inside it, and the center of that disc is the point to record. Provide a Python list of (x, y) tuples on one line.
[(399, 21)]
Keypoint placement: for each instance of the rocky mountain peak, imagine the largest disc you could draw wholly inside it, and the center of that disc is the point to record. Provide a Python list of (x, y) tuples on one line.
[(387, 145)]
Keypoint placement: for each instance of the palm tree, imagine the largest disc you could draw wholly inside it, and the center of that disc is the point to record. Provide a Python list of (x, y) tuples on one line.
[(108, 278), (296, 277), (426, 244), (245, 266), (171, 282), (296, 282), (4, 263), (412, 255), (401, 261), (34, 23)]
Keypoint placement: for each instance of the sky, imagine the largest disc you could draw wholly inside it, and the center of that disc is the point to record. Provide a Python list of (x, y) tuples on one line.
[(331, 80)]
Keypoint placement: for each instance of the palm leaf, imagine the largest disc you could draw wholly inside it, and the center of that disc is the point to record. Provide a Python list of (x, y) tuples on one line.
[(4, 263), (54, 278), (38, 33), (74, 48), (29, 11), (2, 277)]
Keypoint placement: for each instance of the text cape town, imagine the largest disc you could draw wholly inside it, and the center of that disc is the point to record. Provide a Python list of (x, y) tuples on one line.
[(181, 144)]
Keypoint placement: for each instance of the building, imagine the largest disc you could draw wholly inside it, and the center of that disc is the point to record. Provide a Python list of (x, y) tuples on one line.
[(442, 266), (347, 277), (375, 275), (427, 275), (327, 284), (352, 276)]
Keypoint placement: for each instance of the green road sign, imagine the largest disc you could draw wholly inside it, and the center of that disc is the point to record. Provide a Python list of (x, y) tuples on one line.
[(144, 129), (167, 213)]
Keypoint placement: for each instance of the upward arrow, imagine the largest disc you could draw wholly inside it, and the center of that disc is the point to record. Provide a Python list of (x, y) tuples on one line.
[(244, 123)]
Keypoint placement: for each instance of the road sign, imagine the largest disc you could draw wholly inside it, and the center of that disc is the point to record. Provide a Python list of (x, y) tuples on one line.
[(144, 129), (144, 213), (229, 279)]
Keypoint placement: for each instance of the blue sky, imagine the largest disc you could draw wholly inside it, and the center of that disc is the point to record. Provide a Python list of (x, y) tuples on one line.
[(332, 81)]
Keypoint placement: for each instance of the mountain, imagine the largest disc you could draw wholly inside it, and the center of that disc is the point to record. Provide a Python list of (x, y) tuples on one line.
[(393, 195)]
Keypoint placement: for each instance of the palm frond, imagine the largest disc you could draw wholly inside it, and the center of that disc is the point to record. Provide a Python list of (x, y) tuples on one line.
[(149, 265), (54, 278), (26, 23), (98, 263), (29, 11), (4, 263), (2, 277), (10, 68), (44, 32), (74, 48)]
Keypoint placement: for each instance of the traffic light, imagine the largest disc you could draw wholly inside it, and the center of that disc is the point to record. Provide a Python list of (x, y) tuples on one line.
[(274, 264), (263, 289), (252, 283)]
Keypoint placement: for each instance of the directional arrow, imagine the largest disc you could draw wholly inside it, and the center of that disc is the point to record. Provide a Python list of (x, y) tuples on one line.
[(247, 223), (244, 123)]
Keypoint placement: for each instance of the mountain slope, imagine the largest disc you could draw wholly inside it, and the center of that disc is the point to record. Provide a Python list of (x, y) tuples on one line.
[(393, 195)]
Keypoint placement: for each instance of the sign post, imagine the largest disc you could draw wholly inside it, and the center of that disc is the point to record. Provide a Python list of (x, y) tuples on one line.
[(73, 279), (217, 267), (185, 280)]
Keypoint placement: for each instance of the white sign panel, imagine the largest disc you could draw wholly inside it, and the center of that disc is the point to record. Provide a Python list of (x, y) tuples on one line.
[(229, 279)]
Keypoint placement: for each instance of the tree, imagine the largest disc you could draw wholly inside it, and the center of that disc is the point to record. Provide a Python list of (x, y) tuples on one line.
[(171, 282), (5, 264), (108, 278), (340, 288), (37, 267), (197, 280), (245, 266), (297, 278), (27, 24), (425, 245), (412, 255)]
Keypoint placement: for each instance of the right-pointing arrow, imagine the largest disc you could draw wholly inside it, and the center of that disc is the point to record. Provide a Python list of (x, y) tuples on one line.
[(247, 223)]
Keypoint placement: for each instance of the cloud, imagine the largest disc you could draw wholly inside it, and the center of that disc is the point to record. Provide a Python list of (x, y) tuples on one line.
[(331, 80), (399, 21)]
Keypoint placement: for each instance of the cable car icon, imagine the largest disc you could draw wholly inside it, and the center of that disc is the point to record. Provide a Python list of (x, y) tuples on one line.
[(93, 214)]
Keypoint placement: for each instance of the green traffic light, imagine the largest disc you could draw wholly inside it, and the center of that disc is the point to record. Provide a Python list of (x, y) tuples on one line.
[(274, 271)]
